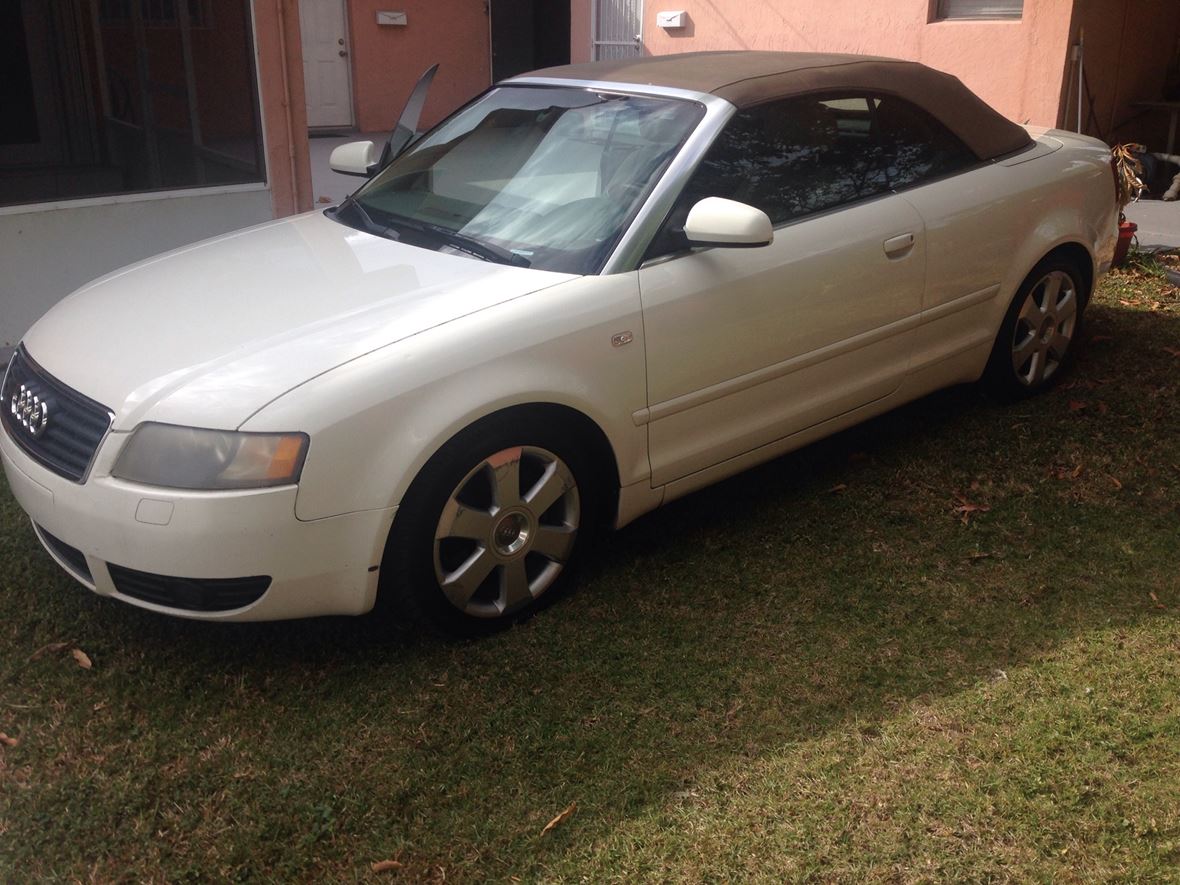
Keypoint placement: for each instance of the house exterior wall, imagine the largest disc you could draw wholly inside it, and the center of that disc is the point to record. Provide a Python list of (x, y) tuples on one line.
[(279, 57), (387, 61), (1128, 44), (1015, 66), (48, 250)]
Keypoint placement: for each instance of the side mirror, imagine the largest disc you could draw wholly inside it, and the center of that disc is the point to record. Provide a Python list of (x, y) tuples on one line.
[(715, 221), (355, 158)]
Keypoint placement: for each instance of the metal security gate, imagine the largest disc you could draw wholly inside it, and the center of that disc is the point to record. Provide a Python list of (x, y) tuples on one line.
[(618, 29)]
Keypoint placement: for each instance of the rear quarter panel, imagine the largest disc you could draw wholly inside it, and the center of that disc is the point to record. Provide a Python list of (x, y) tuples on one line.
[(988, 227)]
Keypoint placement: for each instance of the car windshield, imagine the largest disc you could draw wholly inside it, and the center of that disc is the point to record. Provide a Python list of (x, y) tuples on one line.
[(541, 177)]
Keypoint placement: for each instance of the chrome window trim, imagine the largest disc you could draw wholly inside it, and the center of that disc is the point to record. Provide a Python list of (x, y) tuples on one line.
[(628, 252)]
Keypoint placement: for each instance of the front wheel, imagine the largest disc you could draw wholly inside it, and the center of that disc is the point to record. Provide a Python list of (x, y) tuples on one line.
[(1038, 337), (491, 528)]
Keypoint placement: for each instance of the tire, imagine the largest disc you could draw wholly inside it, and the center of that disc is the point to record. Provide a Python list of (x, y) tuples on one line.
[(1038, 339), (492, 528)]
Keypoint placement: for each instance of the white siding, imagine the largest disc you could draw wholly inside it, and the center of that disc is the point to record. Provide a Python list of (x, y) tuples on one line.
[(47, 253)]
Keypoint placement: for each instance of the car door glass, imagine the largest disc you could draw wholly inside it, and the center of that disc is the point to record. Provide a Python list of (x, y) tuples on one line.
[(789, 158), (807, 154), (794, 157), (916, 146)]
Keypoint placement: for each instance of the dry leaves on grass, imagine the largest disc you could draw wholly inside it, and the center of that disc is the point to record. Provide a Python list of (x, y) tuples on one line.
[(8, 741), (561, 818), (80, 657), (1067, 471), (965, 509), (1077, 406), (384, 866), (1141, 302), (50, 649)]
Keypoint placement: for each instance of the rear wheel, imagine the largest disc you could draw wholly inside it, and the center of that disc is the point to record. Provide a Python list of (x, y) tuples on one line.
[(1038, 337), (492, 527)]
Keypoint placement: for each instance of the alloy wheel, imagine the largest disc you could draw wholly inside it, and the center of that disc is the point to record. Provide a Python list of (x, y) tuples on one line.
[(1044, 328), (506, 531)]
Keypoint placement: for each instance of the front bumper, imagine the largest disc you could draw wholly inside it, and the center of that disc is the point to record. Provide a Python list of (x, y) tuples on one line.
[(317, 567)]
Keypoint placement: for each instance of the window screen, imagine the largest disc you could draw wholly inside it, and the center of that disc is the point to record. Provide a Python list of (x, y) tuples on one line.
[(122, 96), (979, 8)]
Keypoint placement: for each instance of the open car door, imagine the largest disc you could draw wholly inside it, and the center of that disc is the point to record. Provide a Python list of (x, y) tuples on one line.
[(360, 157), (406, 129)]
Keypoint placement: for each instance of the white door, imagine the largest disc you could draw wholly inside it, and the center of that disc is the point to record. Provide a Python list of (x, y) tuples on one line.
[(747, 346), (618, 29), (325, 62)]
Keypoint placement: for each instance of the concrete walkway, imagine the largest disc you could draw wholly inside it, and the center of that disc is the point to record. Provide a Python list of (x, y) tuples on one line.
[(1159, 222)]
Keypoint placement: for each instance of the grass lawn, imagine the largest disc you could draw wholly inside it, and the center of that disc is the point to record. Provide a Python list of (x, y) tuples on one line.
[(942, 646)]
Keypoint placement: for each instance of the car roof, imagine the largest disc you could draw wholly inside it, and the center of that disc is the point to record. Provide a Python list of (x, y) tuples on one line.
[(747, 78)]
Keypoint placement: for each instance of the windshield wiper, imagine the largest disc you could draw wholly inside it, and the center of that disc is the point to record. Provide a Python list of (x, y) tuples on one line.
[(367, 223), (456, 240), (462, 242)]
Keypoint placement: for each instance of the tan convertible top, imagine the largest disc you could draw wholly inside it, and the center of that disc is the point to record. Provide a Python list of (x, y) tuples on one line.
[(750, 78)]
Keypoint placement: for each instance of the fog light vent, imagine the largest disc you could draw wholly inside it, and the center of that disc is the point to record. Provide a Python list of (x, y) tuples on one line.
[(189, 594), (70, 555)]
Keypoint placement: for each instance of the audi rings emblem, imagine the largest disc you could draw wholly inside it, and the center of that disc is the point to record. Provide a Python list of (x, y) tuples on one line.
[(30, 411)]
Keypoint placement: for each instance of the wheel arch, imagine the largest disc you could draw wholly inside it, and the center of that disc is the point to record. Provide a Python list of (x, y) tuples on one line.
[(1080, 257), (599, 447), (409, 592), (998, 375), (1068, 248)]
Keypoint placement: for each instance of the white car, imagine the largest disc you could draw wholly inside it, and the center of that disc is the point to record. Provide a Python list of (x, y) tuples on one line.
[(590, 291)]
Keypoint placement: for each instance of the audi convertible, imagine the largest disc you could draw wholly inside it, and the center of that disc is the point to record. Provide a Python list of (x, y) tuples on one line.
[(589, 291)]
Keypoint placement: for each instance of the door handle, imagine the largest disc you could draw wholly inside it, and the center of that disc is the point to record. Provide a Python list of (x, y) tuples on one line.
[(897, 247), (342, 53)]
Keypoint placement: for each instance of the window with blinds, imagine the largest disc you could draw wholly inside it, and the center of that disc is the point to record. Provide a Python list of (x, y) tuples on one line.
[(979, 9)]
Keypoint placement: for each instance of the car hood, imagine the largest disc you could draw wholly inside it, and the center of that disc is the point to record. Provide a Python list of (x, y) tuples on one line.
[(209, 334)]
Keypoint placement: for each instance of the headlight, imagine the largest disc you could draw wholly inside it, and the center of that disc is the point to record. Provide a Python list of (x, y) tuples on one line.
[(191, 458)]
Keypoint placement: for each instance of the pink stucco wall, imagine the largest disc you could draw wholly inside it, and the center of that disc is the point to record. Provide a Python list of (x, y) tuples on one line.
[(1016, 66), (387, 61), (580, 30)]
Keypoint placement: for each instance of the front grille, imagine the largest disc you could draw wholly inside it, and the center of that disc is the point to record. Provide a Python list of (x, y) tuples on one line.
[(190, 594), (71, 425), (74, 557)]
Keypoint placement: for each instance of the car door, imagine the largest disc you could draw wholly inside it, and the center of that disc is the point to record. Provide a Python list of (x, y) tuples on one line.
[(975, 220), (747, 346)]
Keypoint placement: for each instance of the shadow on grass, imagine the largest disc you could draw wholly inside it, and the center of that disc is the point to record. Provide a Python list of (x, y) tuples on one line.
[(831, 587)]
